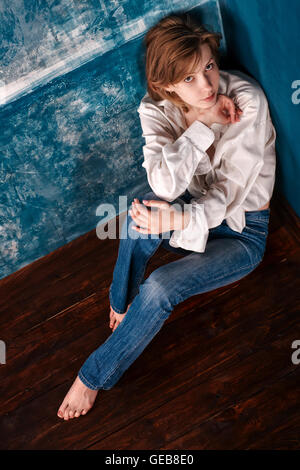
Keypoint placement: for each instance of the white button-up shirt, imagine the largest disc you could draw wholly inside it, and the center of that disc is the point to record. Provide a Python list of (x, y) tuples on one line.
[(239, 177)]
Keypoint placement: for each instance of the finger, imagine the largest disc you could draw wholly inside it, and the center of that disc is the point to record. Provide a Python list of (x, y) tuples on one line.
[(136, 203), (228, 111), (111, 313), (236, 116), (238, 112), (154, 203), (138, 208), (112, 322), (139, 219), (227, 116), (140, 213), (232, 112), (133, 214), (141, 229)]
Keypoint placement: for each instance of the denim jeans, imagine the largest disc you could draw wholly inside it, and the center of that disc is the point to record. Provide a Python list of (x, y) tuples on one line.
[(228, 257)]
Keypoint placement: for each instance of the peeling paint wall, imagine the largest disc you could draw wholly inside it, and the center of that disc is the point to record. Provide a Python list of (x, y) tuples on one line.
[(71, 79)]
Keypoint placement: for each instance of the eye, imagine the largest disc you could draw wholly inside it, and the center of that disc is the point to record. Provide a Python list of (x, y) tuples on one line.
[(212, 64), (189, 81)]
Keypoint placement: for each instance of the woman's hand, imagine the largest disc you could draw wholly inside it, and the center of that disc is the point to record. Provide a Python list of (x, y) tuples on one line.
[(225, 111), (115, 319), (164, 219)]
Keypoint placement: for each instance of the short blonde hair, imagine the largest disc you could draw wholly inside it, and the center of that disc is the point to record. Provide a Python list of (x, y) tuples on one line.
[(172, 51)]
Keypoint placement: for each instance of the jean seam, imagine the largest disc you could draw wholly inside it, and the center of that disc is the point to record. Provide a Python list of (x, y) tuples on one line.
[(130, 352), (116, 309), (146, 264), (81, 375), (248, 253), (256, 231), (262, 219)]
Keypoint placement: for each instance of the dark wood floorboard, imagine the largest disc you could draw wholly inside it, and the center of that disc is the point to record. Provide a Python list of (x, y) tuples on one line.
[(218, 375)]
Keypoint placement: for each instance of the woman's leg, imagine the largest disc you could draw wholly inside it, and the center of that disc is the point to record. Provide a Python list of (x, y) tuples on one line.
[(135, 250), (229, 256)]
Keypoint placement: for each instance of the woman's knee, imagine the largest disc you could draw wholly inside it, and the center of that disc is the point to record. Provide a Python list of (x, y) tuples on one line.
[(160, 289)]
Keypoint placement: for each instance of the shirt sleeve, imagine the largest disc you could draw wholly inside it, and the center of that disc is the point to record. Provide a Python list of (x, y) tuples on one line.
[(171, 163), (241, 159)]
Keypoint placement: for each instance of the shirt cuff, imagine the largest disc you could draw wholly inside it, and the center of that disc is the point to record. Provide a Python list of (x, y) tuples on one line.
[(194, 236), (201, 135), (202, 138)]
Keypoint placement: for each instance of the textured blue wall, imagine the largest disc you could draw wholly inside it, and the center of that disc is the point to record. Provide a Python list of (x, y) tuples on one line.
[(263, 39), (72, 76)]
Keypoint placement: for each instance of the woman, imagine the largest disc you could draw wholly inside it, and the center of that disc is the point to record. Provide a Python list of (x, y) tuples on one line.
[(210, 148)]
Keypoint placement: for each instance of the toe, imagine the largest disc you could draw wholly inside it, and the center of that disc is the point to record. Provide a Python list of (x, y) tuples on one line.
[(71, 414), (77, 414), (62, 408), (66, 413)]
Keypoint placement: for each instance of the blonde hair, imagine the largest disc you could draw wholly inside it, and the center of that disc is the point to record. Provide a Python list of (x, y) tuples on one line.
[(172, 51)]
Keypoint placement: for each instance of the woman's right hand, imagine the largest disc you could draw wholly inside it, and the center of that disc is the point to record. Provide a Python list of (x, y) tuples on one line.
[(225, 111)]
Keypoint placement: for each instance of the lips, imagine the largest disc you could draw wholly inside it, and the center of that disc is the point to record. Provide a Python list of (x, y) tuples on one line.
[(209, 98)]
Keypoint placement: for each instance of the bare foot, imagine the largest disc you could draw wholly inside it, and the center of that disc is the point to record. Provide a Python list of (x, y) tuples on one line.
[(78, 401), (116, 318)]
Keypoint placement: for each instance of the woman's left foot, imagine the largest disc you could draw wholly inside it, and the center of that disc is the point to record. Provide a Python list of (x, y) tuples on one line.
[(78, 401)]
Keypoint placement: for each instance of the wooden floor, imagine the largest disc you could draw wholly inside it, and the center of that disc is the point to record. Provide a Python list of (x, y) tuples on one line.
[(218, 375)]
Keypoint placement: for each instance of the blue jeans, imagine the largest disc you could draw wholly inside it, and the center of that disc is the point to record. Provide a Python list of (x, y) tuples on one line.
[(228, 257)]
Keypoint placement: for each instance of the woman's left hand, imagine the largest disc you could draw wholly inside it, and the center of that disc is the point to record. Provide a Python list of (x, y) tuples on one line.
[(164, 219)]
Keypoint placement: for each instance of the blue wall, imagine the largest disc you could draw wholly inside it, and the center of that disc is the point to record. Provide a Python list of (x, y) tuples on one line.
[(72, 76), (263, 39)]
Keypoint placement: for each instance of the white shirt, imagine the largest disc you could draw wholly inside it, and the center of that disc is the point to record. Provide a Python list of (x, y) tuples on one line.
[(239, 177)]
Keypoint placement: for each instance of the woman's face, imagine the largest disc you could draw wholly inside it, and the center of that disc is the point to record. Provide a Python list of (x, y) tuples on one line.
[(195, 87)]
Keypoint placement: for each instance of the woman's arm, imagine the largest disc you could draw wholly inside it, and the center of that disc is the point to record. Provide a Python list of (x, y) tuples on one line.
[(242, 152), (171, 163)]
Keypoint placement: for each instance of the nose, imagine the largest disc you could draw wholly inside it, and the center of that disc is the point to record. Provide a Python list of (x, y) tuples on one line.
[(205, 85)]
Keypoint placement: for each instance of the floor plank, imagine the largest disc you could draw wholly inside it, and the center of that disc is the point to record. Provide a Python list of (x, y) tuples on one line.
[(217, 375)]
